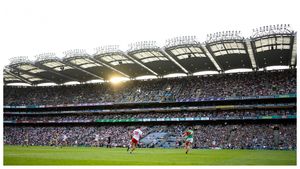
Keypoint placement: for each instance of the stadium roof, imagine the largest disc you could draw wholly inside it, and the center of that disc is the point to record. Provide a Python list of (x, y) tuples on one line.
[(273, 45)]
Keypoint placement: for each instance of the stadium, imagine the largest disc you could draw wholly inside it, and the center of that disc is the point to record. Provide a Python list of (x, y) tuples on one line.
[(238, 117)]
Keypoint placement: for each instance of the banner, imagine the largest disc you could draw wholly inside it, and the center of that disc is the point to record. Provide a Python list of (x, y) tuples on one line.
[(9, 121), (225, 107), (158, 119), (192, 108), (177, 100), (249, 118)]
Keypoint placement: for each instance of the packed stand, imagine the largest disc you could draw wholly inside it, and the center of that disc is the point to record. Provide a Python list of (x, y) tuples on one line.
[(76, 136), (246, 136), (221, 85), (223, 136)]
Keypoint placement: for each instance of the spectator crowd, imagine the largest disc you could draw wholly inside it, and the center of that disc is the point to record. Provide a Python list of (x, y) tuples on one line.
[(242, 135), (221, 85), (232, 136), (246, 136)]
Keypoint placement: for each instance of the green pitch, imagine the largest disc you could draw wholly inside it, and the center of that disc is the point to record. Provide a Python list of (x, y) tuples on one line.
[(34, 155)]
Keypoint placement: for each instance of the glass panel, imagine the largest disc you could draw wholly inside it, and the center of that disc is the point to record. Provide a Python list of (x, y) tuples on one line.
[(52, 64), (266, 48), (286, 46), (228, 45), (162, 58), (65, 68), (36, 70), (259, 49), (197, 55), (195, 50), (279, 40), (202, 55), (88, 65), (138, 55), (149, 54), (157, 53), (220, 46), (272, 41), (6, 75), (242, 51), (175, 52), (115, 63), (79, 61), (240, 46), (149, 60), (11, 79), (223, 52), (26, 67), (217, 53), (182, 57), (26, 76), (236, 51), (117, 57), (145, 55), (235, 45), (181, 50), (127, 62), (68, 67), (264, 42), (107, 58), (214, 48), (258, 43), (286, 40), (198, 50), (34, 79), (230, 51)]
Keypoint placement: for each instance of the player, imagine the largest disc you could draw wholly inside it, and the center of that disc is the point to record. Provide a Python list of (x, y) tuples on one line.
[(108, 142), (64, 143), (97, 137), (137, 134), (130, 136), (76, 143), (188, 139), (54, 140), (214, 144), (26, 140)]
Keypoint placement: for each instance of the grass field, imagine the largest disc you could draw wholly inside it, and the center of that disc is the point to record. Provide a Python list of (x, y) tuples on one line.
[(34, 155)]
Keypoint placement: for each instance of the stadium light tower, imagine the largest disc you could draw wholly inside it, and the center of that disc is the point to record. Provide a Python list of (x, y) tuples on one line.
[(76, 52), (181, 40), (107, 49), (272, 29), (142, 45), (224, 35), (45, 56), (19, 59)]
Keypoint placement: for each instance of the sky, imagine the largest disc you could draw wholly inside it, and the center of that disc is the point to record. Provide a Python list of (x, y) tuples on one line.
[(32, 27)]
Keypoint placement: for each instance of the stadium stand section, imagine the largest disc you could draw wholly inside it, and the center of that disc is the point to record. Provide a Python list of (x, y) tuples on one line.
[(226, 85), (249, 110)]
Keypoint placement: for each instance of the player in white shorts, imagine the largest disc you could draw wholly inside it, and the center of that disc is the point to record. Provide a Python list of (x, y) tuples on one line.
[(26, 140), (64, 140), (137, 134), (97, 137)]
